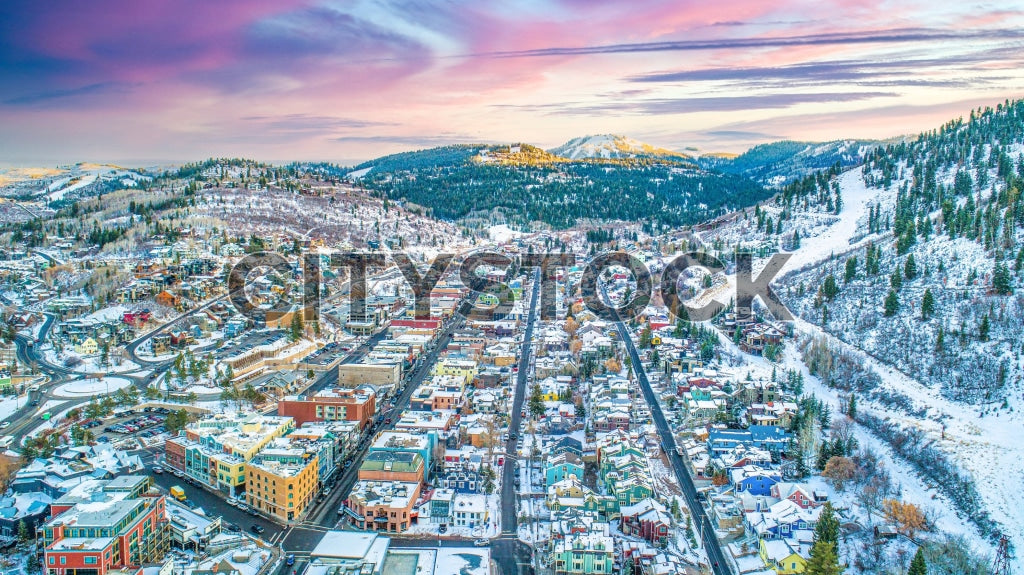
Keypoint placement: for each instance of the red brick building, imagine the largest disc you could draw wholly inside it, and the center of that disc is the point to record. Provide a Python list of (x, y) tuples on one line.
[(359, 404), (102, 526)]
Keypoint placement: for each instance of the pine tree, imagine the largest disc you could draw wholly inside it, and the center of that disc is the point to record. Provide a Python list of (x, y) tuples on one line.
[(918, 565), (296, 326), (927, 304), (983, 328), (940, 340), (910, 268), (1001, 279), (829, 289), (896, 280), (536, 401), (824, 560), (827, 529), (824, 454), (851, 269), (892, 304), (851, 406)]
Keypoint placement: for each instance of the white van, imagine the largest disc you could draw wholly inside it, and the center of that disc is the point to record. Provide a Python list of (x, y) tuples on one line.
[(6, 441)]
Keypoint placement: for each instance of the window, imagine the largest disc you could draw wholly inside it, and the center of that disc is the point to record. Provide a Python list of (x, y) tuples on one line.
[(90, 561), (52, 560), (63, 560)]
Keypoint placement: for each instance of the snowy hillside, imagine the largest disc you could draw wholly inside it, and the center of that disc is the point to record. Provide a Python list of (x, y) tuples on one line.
[(779, 163), (612, 146), (943, 385)]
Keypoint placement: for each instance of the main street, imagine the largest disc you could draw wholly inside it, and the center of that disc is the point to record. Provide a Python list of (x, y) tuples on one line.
[(511, 555), (701, 523), (324, 514)]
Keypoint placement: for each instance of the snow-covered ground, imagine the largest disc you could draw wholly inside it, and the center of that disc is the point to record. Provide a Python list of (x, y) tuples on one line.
[(91, 386), (9, 405), (987, 448)]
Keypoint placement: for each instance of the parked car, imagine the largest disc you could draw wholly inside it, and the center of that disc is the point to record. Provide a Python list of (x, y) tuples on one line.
[(482, 542), (157, 469), (257, 529), (234, 528)]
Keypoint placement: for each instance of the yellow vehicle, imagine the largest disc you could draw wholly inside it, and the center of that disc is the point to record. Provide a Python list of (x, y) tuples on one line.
[(178, 493)]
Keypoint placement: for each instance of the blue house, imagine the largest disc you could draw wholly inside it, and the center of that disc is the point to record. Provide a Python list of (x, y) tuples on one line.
[(769, 437), (461, 481), (560, 466), (754, 480), (567, 444)]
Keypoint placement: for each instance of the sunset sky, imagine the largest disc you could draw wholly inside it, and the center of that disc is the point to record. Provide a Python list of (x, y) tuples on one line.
[(143, 82)]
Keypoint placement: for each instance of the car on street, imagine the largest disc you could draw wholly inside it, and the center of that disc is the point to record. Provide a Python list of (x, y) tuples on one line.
[(157, 469), (290, 560), (234, 528), (4, 424), (482, 542), (257, 529)]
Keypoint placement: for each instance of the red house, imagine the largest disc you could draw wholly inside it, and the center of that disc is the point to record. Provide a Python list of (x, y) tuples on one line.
[(647, 519), (136, 317)]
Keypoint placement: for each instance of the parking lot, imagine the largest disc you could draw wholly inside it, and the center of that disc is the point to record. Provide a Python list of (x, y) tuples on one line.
[(143, 425), (248, 341), (327, 354)]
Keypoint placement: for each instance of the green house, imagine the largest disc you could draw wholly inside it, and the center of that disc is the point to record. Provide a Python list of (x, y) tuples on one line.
[(583, 553)]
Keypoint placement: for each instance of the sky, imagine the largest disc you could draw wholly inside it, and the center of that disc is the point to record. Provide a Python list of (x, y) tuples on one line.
[(163, 81)]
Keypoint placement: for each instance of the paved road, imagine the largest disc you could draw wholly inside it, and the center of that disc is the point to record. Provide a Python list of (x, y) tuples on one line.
[(509, 519), (212, 504), (701, 523), (131, 348), (324, 514)]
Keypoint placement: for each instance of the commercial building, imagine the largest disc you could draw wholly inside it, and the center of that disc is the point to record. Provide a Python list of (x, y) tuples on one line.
[(105, 525), (282, 481), (215, 450), (375, 374), (339, 404), (392, 466), (383, 505)]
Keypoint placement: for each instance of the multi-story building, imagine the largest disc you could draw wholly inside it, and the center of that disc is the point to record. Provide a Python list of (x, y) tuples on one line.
[(282, 480), (339, 404), (392, 466), (583, 553), (215, 450), (421, 443), (105, 525), (383, 505)]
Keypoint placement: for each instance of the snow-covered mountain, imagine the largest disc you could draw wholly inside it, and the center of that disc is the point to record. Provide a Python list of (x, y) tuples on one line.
[(779, 163), (612, 146)]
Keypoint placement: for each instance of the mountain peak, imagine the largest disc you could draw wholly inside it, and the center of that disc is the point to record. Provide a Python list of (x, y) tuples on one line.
[(612, 146)]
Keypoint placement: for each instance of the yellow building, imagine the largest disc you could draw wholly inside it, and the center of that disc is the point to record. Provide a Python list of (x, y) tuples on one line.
[(87, 346), (464, 368), (783, 556), (215, 449), (282, 482)]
